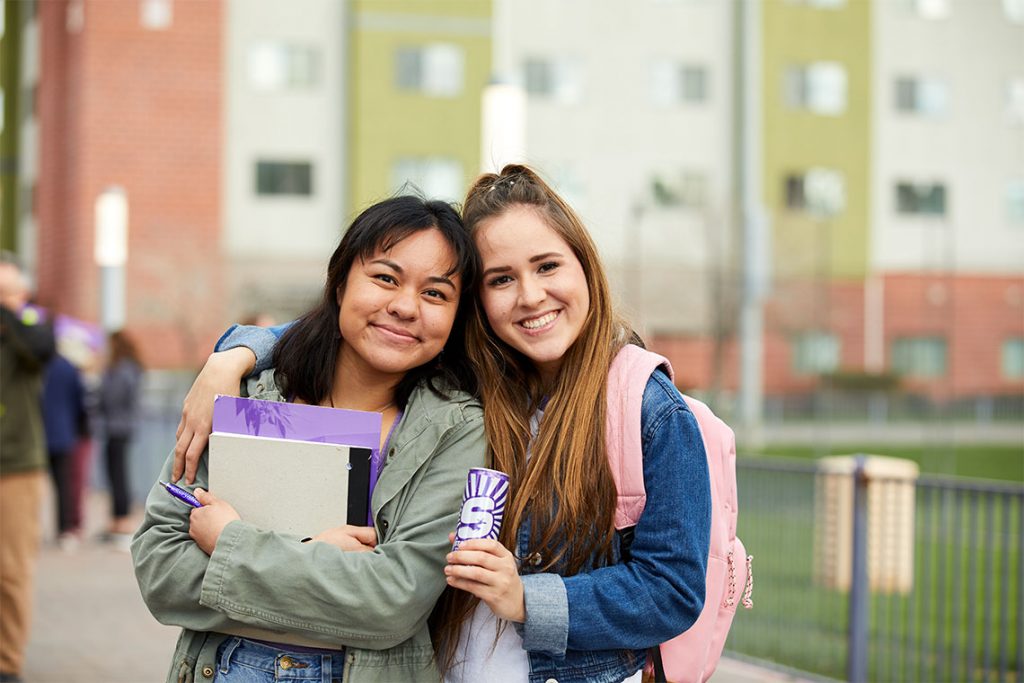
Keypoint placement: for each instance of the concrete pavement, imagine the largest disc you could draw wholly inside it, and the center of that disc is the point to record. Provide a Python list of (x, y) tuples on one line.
[(91, 626)]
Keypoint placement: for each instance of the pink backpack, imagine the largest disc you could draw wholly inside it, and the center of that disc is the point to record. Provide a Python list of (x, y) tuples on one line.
[(694, 654)]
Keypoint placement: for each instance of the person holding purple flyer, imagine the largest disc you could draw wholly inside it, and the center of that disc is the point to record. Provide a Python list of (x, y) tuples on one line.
[(349, 603), (562, 594)]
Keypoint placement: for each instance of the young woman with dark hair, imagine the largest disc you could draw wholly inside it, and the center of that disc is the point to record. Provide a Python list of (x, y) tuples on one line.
[(256, 605)]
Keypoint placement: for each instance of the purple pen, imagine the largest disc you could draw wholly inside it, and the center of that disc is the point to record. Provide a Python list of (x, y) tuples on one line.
[(181, 494)]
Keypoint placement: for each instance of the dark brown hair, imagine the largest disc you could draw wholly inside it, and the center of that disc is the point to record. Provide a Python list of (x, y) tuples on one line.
[(304, 359), (122, 346)]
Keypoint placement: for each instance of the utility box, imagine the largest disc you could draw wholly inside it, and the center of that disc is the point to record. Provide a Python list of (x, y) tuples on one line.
[(890, 518)]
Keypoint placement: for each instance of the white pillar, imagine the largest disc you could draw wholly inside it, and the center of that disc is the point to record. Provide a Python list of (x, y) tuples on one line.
[(110, 251), (503, 129)]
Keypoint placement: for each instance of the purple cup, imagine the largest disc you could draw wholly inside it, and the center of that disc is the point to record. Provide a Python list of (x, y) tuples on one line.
[(483, 505)]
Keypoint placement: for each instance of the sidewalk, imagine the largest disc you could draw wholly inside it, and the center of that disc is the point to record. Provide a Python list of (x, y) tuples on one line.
[(90, 623)]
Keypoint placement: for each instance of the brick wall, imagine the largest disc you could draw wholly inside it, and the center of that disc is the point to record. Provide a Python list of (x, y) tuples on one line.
[(124, 105), (974, 313)]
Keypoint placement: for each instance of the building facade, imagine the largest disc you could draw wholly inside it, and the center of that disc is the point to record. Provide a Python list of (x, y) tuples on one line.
[(245, 136)]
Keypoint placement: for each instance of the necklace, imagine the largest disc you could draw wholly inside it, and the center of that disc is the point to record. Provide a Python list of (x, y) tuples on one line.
[(377, 410)]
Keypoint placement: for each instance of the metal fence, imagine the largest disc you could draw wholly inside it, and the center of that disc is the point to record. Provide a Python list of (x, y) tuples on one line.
[(879, 578), (895, 407), (951, 612)]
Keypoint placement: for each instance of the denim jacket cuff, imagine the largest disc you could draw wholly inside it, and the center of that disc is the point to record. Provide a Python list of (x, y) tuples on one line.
[(547, 614), (259, 340)]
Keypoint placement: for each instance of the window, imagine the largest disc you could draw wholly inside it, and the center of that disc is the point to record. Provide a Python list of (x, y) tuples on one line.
[(558, 80), (674, 83), (436, 69), (922, 199), (815, 353), (919, 356), (931, 9), (1013, 358), (1014, 10), (1015, 201), (819, 87), (566, 180), (279, 66), (819, 191), (1015, 100), (688, 189), (435, 177), (156, 15), (284, 178), (924, 96), (820, 4), (74, 16)]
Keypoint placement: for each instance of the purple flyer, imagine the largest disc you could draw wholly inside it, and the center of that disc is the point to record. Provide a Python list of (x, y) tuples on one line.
[(296, 421)]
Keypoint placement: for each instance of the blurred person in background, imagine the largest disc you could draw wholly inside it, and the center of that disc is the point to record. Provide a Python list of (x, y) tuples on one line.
[(26, 345), (118, 403), (66, 424)]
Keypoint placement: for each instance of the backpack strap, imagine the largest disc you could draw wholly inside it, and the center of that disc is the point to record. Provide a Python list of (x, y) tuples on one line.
[(627, 379), (720, 446)]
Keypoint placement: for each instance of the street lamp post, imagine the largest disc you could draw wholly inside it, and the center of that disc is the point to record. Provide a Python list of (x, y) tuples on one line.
[(111, 254), (755, 225), (503, 129), (503, 106)]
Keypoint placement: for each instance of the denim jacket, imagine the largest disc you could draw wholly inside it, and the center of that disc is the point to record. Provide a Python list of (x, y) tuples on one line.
[(597, 625)]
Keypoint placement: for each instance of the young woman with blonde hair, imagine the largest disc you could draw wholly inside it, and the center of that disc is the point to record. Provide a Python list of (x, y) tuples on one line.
[(563, 594)]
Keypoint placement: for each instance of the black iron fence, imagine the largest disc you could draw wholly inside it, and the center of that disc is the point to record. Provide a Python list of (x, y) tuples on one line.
[(940, 590), (865, 574), (892, 407)]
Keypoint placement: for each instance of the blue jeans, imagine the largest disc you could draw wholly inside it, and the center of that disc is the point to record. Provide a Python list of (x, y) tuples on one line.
[(244, 661)]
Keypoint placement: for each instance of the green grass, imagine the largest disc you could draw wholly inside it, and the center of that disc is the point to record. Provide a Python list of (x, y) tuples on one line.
[(984, 461), (800, 623)]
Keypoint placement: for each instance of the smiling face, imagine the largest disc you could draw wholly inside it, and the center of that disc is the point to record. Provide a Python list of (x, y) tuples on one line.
[(397, 306), (534, 289)]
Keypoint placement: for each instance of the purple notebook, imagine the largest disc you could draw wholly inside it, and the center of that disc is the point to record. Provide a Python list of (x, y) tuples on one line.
[(301, 422)]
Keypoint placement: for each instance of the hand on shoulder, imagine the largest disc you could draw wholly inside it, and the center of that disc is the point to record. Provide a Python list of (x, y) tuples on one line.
[(222, 374)]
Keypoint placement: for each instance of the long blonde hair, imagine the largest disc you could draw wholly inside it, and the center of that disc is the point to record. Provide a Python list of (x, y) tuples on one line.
[(565, 491)]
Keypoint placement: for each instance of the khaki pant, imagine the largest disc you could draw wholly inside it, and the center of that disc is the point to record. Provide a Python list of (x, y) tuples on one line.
[(20, 498)]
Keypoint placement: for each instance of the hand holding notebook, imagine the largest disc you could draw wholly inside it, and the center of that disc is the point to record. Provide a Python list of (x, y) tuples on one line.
[(293, 468)]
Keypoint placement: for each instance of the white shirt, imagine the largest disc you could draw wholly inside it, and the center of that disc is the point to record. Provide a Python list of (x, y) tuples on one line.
[(479, 657)]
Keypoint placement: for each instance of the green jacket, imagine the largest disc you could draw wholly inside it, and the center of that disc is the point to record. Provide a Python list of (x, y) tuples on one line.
[(26, 345), (268, 585)]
